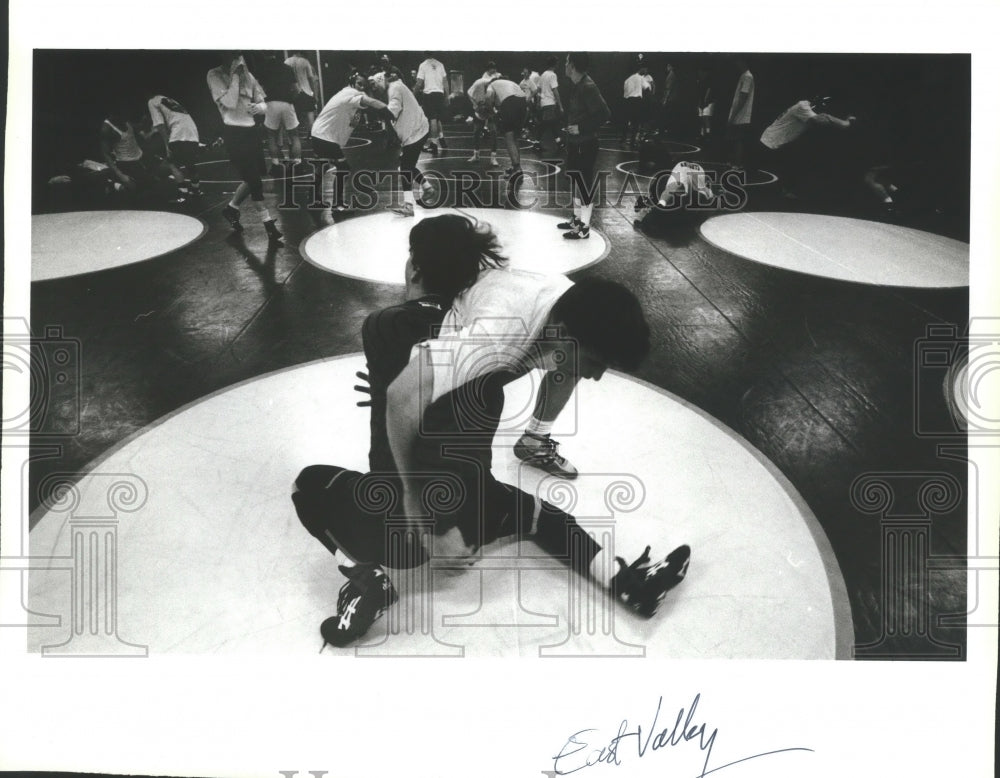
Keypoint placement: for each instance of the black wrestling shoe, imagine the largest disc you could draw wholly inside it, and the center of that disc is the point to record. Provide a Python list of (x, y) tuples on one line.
[(365, 596), (272, 230), (580, 232), (642, 586), (542, 451), (232, 215), (572, 224)]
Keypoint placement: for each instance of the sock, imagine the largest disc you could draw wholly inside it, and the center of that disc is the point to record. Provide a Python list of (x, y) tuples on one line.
[(262, 212), (408, 198), (887, 199), (536, 427), (343, 560), (586, 211), (576, 208), (232, 204)]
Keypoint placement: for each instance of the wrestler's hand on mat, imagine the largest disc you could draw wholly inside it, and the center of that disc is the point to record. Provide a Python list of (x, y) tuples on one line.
[(364, 389)]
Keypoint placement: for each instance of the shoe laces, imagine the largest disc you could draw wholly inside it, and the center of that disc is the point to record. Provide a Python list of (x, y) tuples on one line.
[(548, 450)]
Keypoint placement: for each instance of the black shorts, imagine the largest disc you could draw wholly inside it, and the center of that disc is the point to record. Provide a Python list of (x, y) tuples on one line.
[(634, 109), (184, 152), (304, 103), (324, 149), (433, 104), (581, 157), (511, 114), (244, 149)]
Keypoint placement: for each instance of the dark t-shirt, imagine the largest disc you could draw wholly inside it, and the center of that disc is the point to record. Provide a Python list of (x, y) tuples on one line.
[(586, 107), (278, 82), (388, 337)]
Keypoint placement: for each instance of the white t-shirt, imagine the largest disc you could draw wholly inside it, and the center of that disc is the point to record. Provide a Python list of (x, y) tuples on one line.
[(529, 88), (477, 94), (501, 89), (789, 126), (433, 74), (492, 327), (648, 84), (745, 86), (411, 123), (633, 86), (250, 92), (687, 177), (334, 123), (546, 83), (304, 73), (164, 111)]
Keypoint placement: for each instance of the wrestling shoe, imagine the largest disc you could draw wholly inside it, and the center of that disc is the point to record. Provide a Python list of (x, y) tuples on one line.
[(406, 209), (493, 161), (272, 230), (542, 451), (572, 224), (474, 157), (444, 143), (642, 586), (365, 596), (580, 232), (232, 215)]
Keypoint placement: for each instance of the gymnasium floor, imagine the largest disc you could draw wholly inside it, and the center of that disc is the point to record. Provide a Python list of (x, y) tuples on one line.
[(775, 396)]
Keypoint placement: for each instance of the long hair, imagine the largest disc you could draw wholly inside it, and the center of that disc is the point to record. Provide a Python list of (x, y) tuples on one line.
[(449, 251)]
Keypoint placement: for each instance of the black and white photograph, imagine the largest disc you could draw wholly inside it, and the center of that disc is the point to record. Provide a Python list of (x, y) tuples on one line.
[(462, 403)]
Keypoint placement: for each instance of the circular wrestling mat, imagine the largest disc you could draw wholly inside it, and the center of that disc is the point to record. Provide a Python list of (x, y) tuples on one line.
[(68, 244), (375, 247), (191, 521), (612, 143), (450, 166), (746, 177), (846, 249)]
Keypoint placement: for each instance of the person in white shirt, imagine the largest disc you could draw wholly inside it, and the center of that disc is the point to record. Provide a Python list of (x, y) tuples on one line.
[(180, 140), (240, 98), (505, 99), (333, 128), (412, 128), (305, 100), (740, 114), (432, 84), (549, 103), (781, 135), (482, 119), (635, 88), (530, 86)]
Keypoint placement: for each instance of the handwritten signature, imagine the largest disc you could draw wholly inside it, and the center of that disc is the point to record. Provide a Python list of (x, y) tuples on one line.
[(579, 753)]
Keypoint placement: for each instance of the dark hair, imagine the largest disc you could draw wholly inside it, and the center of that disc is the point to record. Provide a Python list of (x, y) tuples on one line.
[(552, 61), (580, 60), (605, 318), (449, 251)]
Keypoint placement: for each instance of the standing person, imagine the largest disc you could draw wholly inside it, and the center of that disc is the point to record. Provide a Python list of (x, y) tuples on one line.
[(586, 111), (529, 85), (412, 128), (505, 99), (706, 102), (634, 91), (648, 98), (180, 141), (781, 135), (549, 104), (482, 120), (432, 82), (305, 99), (334, 126), (240, 98), (280, 87), (740, 114), (667, 102)]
